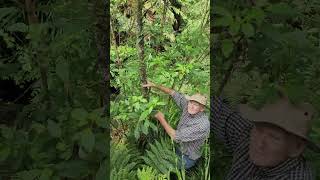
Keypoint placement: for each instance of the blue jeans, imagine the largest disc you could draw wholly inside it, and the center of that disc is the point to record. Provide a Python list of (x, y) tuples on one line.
[(184, 160)]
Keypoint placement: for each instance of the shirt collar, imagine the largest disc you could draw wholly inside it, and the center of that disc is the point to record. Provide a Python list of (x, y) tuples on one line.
[(282, 167), (195, 115)]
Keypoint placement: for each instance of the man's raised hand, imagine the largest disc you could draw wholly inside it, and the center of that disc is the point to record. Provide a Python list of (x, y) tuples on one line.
[(161, 88)]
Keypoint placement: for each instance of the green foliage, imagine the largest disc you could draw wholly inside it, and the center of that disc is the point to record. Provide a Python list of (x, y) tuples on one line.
[(63, 135), (176, 59), (148, 173), (161, 157), (124, 162)]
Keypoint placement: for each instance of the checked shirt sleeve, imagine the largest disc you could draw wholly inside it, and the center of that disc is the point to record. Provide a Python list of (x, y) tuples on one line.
[(227, 125), (180, 100)]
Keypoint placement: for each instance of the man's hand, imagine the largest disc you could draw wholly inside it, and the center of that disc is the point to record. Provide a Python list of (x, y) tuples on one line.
[(159, 115), (170, 131), (162, 88), (149, 84)]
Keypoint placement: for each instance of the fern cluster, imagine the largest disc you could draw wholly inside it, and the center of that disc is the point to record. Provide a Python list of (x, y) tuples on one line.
[(124, 162), (161, 156)]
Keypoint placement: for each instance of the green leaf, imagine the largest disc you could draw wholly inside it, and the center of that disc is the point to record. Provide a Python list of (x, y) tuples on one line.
[(87, 140), (295, 92), (154, 127), (73, 168), (144, 115), (170, 36), (234, 27), (247, 29), (39, 128), (161, 103), (227, 47), (102, 122), (7, 11), (101, 144), (297, 39), (46, 174), (79, 114), (283, 10), (223, 21), (29, 175), (4, 153), (66, 155), (257, 14), (62, 70), (102, 172), (82, 154), (137, 132), (7, 132), (272, 32), (18, 27), (61, 146), (221, 11), (147, 123), (54, 129), (145, 128)]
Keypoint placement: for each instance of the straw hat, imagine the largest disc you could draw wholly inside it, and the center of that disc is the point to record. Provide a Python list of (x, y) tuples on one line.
[(198, 98), (295, 119)]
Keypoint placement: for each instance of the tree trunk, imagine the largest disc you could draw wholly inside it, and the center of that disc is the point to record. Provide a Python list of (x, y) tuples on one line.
[(30, 7), (140, 47), (179, 23), (102, 13)]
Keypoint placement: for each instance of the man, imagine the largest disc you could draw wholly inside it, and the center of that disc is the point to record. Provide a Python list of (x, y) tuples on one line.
[(268, 144), (193, 127)]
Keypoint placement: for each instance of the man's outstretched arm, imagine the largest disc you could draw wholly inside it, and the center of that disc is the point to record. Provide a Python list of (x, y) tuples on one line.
[(180, 99), (161, 88), (227, 125)]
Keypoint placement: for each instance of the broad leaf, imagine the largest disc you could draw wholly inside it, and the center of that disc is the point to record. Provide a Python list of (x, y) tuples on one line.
[(73, 168), (87, 140), (62, 70), (18, 27), (227, 47), (247, 29), (79, 114), (54, 129)]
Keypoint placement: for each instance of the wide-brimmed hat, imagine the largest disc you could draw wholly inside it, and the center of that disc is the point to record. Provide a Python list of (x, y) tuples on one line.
[(295, 119), (198, 98)]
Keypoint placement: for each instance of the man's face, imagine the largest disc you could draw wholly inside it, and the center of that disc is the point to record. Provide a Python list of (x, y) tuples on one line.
[(194, 107), (269, 145)]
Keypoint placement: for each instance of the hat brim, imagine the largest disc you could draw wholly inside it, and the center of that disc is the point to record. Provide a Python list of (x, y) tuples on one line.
[(252, 115), (189, 98)]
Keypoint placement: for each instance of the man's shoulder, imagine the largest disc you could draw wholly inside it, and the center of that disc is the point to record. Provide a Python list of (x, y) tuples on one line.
[(203, 119), (205, 116), (302, 171), (177, 93)]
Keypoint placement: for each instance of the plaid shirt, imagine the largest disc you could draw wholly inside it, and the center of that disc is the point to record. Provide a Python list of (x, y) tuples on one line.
[(192, 130), (234, 131)]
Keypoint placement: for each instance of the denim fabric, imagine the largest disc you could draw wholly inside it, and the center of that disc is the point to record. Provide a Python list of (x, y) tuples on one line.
[(184, 160)]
